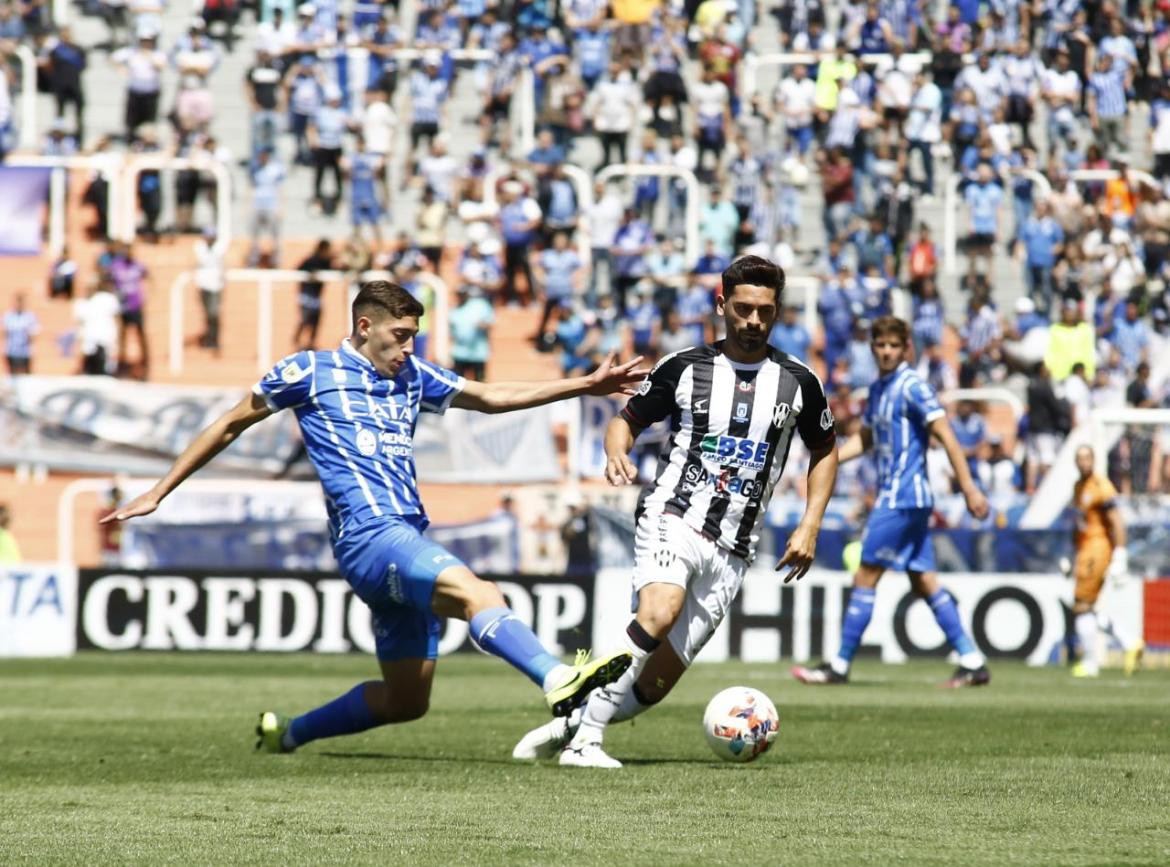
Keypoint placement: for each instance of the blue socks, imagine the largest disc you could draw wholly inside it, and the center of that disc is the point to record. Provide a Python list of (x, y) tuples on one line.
[(947, 615), (857, 617), (500, 632), (346, 715)]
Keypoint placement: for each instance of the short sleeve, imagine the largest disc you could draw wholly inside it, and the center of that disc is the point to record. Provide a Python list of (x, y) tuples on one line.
[(289, 384), (922, 404), (1106, 494), (815, 422), (439, 386), (655, 398)]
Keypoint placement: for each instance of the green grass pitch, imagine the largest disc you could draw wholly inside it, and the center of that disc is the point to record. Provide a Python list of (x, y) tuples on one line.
[(122, 759)]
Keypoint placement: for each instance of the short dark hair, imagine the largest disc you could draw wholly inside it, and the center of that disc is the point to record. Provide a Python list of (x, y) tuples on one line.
[(383, 297), (885, 326), (755, 271)]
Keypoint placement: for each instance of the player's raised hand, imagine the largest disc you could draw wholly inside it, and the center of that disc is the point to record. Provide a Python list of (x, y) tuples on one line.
[(143, 504), (798, 554), (613, 378), (620, 470), (977, 503)]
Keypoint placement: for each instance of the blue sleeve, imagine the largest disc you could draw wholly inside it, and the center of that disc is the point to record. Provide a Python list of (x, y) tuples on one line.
[(439, 386), (289, 384), (922, 404)]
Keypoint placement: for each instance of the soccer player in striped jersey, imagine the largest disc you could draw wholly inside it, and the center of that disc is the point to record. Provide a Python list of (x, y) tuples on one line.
[(734, 407), (901, 414), (357, 407)]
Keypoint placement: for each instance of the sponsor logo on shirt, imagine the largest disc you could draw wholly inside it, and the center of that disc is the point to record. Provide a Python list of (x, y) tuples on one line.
[(644, 387), (723, 482), (827, 420), (729, 451)]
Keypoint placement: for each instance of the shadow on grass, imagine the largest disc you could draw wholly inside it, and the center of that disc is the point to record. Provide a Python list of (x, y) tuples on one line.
[(398, 757)]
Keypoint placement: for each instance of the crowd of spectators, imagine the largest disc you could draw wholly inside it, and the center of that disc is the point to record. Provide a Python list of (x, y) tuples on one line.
[(896, 109)]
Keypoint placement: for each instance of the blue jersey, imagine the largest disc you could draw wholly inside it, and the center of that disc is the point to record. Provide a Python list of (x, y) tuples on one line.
[(898, 411), (358, 428)]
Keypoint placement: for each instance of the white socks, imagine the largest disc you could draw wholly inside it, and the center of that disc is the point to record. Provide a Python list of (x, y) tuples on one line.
[(555, 676), (1109, 626), (605, 703), (1086, 625)]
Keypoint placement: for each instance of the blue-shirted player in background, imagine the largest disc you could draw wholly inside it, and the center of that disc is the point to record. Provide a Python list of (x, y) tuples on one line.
[(357, 406), (901, 414)]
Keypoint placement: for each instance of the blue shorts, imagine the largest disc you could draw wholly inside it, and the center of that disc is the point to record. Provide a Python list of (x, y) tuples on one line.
[(366, 212), (392, 567), (898, 539)]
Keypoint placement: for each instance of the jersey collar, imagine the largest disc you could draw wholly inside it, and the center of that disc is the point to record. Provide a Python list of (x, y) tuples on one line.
[(348, 348), (893, 374)]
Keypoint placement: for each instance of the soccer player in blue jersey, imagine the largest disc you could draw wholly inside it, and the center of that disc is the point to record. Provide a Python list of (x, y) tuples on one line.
[(357, 406), (901, 414)]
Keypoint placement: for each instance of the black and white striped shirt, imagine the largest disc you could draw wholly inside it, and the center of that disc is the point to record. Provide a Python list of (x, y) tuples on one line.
[(732, 425)]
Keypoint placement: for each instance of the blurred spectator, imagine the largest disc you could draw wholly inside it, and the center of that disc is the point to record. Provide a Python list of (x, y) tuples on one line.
[(9, 549), (431, 225), (365, 171), (1138, 392), (325, 135), (645, 319), (631, 243), (1070, 340), (1078, 394), (926, 326), (64, 63), (789, 334), (304, 96), (20, 329), (559, 272), (694, 310), (935, 369), (262, 84), (674, 337), (1043, 240), (267, 202), (923, 127), (837, 188), (603, 218), (62, 275), (309, 297), (970, 430), (1047, 422), (923, 260), (1131, 335), (519, 220), (718, 221), (576, 335), (997, 473), (429, 92), (142, 66), (983, 198), (576, 534), (131, 280), (471, 322), (97, 319), (209, 279)]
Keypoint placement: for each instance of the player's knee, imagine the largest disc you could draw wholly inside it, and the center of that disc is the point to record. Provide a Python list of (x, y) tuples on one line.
[(411, 708), (657, 616)]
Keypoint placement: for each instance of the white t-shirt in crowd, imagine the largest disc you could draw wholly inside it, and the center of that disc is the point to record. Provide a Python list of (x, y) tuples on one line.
[(378, 122), (797, 99), (143, 69)]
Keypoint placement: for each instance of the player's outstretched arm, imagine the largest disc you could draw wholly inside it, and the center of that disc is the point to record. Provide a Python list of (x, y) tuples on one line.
[(619, 439), (609, 378), (802, 544), (212, 440), (976, 502), (855, 446)]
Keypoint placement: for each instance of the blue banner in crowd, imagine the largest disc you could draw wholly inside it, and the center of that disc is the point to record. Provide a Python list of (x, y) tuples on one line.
[(23, 192)]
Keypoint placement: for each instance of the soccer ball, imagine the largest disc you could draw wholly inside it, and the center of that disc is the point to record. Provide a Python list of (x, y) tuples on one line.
[(740, 723)]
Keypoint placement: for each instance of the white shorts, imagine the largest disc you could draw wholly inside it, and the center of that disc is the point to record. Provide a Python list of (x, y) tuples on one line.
[(667, 551), (1042, 449)]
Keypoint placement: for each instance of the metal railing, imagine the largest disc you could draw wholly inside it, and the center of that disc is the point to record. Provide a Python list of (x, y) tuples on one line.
[(951, 213), (28, 96), (266, 280), (619, 170)]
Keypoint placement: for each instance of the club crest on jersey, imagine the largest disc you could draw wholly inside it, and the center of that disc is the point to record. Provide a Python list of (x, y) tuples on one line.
[(741, 411), (729, 451), (367, 442), (827, 420), (780, 413)]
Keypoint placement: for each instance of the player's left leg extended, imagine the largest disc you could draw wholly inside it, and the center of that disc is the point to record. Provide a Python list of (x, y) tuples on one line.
[(403, 694), (972, 670)]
